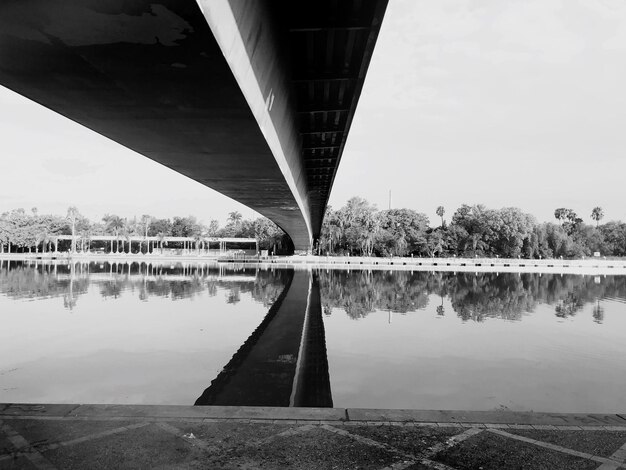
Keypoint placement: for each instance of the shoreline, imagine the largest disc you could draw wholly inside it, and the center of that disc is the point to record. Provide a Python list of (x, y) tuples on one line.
[(349, 416), (587, 266)]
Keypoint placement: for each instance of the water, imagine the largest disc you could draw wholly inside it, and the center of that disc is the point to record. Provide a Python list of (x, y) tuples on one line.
[(207, 334)]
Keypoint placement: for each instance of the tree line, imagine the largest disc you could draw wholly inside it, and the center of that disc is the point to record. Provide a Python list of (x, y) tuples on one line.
[(356, 229), (359, 229), (22, 231)]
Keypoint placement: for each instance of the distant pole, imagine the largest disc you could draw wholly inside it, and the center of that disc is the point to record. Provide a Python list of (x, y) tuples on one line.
[(390, 199)]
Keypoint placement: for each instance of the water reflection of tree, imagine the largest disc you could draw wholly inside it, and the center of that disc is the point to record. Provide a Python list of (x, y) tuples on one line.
[(233, 296), (362, 292), (506, 296), (568, 306), (598, 313), (111, 288), (473, 296), (23, 280)]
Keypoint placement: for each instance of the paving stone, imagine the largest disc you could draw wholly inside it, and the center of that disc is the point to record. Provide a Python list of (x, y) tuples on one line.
[(18, 463), (492, 452), (230, 435), (29, 409), (207, 412), (42, 432), (601, 443), (6, 447), (419, 466), (312, 450), (147, 447), (495, 417), (411, 440), (141, 411), (313, 414)]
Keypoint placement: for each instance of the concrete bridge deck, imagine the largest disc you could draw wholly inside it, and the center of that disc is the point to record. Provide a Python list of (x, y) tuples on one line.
[(253, 98), (69, 436)]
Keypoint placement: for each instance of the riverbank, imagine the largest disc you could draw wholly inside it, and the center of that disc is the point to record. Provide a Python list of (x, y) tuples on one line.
[(142, 436), (587, 266)]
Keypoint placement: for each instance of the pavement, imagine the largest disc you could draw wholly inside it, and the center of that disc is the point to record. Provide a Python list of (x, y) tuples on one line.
[(219, 437)]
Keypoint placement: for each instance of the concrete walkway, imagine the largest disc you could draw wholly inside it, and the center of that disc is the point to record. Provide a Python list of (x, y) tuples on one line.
[(126, 436)]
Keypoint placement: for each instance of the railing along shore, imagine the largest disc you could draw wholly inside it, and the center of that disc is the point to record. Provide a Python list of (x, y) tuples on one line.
[(575, 266)]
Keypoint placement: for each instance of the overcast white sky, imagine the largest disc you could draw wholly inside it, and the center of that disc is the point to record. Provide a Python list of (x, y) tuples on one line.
[(506, 103)]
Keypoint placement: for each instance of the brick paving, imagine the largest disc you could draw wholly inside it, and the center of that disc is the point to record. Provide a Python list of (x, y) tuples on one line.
[(104, 437)]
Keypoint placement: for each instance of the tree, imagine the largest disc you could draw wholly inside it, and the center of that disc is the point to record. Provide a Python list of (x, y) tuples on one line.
[(597, 214), (234, 217), (114, 224), (561, 214), (160, 226), (266, 232), (72, 216), (473, 221), (403, 231), (568, 218), (185, 226), (440, 212), (614, 236), (434, 243), (511, 229), (146, 220), (355, 219), (214, 227), (331, 232)]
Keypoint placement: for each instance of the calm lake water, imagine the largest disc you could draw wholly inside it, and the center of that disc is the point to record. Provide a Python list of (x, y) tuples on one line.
[(209, 334)]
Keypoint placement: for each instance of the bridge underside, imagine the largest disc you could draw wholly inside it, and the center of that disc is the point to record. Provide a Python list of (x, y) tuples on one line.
[(251, 98)]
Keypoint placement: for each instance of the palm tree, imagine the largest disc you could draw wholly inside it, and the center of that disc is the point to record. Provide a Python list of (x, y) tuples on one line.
[(129, 230), (85, 236), (114, 224), (597, 214), (146, 220), (161, 237), (440, 212), (43, 238), (197, 238), (72, 215), (234, 217)]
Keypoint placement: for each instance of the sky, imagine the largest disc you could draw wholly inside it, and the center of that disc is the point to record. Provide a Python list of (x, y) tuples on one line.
[(504, 103)]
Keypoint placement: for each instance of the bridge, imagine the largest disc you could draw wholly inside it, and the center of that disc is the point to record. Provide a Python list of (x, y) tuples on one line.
[(253, 98)]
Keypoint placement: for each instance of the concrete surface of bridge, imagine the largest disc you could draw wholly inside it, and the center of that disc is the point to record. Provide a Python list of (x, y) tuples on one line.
[(253, 98)]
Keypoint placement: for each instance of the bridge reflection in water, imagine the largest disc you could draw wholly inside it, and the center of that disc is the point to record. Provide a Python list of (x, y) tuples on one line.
[(284, 361)]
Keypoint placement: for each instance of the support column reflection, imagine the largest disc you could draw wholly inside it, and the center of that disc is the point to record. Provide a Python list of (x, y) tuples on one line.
[(284, 361)]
